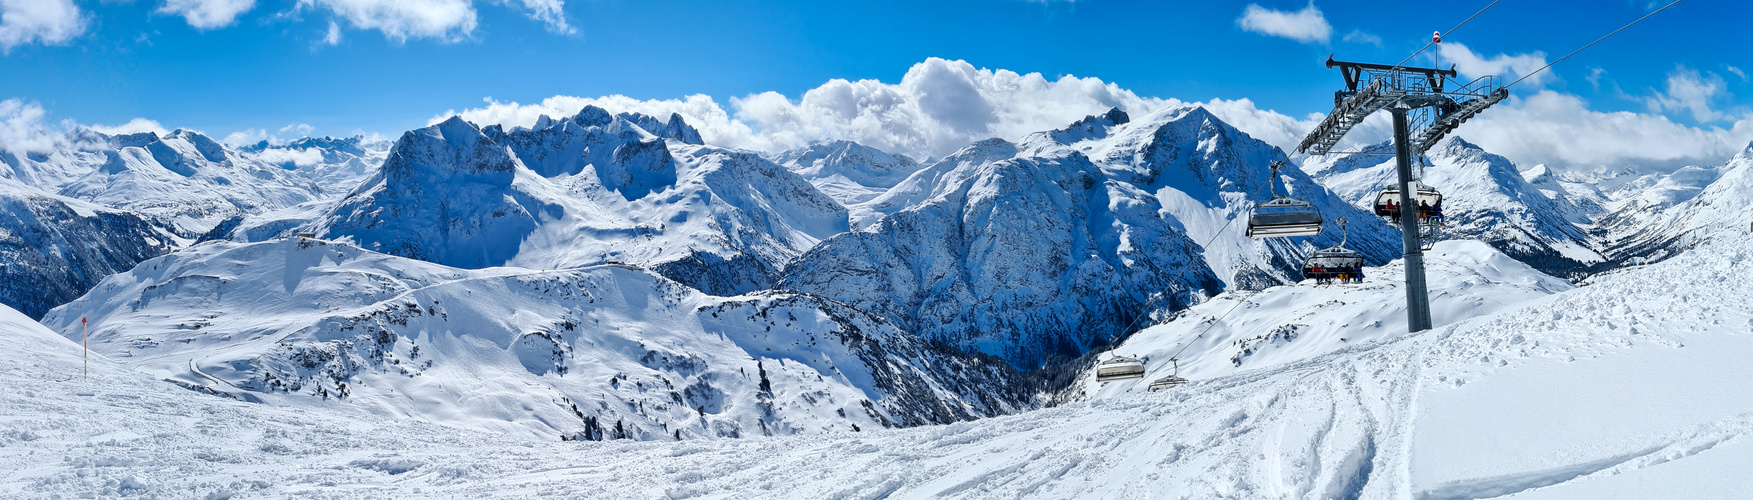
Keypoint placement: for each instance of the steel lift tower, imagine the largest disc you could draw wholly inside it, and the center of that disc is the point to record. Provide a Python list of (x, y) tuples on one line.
[(1423, 113)]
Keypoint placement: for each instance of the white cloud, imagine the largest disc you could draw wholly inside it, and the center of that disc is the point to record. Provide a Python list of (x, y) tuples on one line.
[(207, 14), (334, 35), (299, 129), (301, 157), (1690, 91), (46, 21), (1358, 36), (21, 127), (446, 20), (937, 107), (940, 106), (549, 12), (245, 137), (133, 126), (1738, 72), (1561, 130), (1306, 26), (1507, 66)]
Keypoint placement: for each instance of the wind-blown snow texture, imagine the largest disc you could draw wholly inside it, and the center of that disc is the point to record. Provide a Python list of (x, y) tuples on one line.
[(591, 353), (1628, 387), (1044, 250), (586, 190)]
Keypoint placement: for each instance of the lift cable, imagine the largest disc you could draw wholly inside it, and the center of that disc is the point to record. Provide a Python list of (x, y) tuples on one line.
[(1445, 35), (1591, 44)]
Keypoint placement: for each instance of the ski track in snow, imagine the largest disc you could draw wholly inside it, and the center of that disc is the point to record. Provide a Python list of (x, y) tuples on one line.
[(1382, 420)]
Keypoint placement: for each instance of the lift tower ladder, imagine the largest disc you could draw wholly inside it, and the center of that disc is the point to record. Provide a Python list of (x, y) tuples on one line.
[(1424, 111)]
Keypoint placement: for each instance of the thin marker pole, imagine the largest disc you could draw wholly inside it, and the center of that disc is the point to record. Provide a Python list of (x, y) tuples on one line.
[(85, 339)]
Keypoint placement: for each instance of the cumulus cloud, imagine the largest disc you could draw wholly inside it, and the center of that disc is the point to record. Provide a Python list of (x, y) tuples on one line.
[(21, 127), (1560, 129), (549, 12), (1508, 66), (1306, 25), (937, 107), (446, 20), (940, 106), (207, 14), (245, 137), (46, 21), (133, 126), (1690, 91)]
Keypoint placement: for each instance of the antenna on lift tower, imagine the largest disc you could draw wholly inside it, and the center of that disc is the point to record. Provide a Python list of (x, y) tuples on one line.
[(1425, 109)]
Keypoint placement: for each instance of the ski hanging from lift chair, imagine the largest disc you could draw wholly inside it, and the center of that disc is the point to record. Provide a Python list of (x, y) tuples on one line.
[(1283, 216), (1119, 368), (1336, 262), (1171, 381), (1430, 201)]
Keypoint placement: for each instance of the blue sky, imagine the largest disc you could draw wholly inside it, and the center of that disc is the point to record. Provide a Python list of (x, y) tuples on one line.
[(346, 66)]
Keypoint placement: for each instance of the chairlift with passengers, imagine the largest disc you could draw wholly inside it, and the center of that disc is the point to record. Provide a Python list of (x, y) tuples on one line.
[(1335, 263)]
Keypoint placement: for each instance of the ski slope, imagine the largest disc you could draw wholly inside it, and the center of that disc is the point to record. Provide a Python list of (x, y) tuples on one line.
[(1634, 386)]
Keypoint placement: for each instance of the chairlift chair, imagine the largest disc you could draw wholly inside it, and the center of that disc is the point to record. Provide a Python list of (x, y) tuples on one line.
[(1335, 262), (1424, 196), (1171, 381), (1119, 368), (1283, 216)]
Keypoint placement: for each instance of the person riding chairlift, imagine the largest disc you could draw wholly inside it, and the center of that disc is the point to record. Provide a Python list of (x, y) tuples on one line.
[(1393, 210)]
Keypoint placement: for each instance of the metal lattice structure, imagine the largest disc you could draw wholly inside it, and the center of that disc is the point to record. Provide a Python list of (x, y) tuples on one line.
[(1433, 110), (1424, 111)]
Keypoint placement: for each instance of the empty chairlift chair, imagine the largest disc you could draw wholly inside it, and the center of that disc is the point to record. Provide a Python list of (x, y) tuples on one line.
[(1171, 381), (1336, 263), (1119, 368), (1283, 216)]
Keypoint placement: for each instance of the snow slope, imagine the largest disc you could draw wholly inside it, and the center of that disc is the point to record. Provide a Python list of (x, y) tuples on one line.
[(53, 248), (586, 190), (850, 172), (592, 352), (1485, 197), (1631, 387)]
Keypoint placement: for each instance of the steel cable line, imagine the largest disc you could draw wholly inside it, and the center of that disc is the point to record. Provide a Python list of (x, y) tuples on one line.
[(1445, 35), (1591, 44)]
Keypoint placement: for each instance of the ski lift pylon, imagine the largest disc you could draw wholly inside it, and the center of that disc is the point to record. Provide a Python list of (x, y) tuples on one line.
[(1283, 216)]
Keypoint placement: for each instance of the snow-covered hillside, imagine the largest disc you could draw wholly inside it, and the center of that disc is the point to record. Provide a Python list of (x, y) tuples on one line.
[(1485, 197), (585, 190), (1242, 331), (1034, 252), (850, 172), (592, 353), (54, 248), (1630, 387), (1679, 211)]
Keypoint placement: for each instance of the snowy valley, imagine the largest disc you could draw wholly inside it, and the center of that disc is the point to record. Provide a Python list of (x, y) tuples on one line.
[(602, 305)]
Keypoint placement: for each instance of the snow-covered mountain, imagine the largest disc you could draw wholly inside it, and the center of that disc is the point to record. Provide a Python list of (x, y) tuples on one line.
[(1678, 211), (585, 190), (54, 248), (1485, 197), (603, 352), (1629, 387), (850, 172), (186, 182), (1035, 253)]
